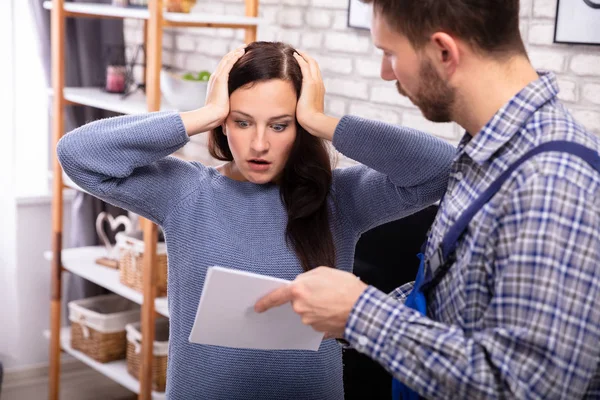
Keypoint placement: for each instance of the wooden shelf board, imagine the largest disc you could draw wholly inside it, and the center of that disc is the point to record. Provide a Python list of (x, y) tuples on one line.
[(188, 19), (98, 98), (115, 370), (81, 262), (70, 184), (214, 19), (102, 10)]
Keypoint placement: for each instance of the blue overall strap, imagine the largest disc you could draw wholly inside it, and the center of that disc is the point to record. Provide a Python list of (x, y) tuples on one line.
[(426, 279), (448, 246), (416, 301)]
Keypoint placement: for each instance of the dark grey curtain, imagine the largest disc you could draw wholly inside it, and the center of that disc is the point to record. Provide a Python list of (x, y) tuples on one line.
[(87, 41)]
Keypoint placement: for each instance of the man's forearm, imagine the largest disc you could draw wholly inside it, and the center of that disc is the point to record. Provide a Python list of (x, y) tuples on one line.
[(440, 362)]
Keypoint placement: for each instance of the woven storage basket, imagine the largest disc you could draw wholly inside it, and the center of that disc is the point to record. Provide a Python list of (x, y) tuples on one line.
[(160, 351), (131, 263), (98, 326)]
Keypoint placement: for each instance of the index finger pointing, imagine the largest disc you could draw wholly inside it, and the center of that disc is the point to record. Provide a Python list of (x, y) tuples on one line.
[(274, 299)]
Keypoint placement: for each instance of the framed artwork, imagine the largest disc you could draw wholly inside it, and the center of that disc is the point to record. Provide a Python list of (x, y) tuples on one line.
[(359, 14), (577, 22)]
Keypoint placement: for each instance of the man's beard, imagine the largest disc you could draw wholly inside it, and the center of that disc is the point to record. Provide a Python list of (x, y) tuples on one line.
[(434, 97)]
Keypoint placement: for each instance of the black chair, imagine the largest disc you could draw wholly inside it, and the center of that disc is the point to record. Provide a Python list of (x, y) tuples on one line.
[(386, 257)]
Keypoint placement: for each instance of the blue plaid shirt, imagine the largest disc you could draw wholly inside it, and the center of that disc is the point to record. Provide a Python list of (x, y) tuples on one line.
[(518, 315)]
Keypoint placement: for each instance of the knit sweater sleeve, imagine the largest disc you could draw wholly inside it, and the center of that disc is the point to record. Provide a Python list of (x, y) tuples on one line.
[(402, 171), (125, 161)]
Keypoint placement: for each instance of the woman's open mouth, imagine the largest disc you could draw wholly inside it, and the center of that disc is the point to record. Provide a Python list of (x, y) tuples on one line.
[(259, 164)]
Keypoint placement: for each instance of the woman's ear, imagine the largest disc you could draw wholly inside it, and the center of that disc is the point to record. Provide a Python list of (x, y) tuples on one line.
[(224, 129)]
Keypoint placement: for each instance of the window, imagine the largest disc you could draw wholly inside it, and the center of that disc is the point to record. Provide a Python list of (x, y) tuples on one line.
[(31, 101), (6, 106)]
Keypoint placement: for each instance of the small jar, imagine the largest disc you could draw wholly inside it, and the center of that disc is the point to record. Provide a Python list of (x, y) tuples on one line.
[(116, 78), (120, 3)]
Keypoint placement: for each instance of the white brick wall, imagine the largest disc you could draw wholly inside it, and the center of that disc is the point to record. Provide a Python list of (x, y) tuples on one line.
[(544, 8), (350, 63), (350, 88), (372, 111), (586, 64), (591, 93)]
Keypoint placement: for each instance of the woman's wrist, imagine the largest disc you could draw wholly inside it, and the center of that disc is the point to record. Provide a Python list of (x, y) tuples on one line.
[(202, 120), (321, 125)]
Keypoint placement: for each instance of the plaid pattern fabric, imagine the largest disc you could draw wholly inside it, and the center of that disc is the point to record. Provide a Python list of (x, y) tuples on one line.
[(403, 291), (518, 315)]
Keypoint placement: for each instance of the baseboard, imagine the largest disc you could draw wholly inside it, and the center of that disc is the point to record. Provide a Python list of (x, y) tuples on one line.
[(70, 369)]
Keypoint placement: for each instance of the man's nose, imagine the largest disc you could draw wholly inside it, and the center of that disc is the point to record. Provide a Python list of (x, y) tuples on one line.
[(387, 73)]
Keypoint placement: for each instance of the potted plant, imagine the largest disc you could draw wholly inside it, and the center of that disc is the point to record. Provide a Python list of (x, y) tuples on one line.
[(184, 90)]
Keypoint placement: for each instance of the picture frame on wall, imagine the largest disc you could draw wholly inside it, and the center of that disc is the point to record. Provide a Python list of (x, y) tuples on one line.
[(577, 22), (359, 15)]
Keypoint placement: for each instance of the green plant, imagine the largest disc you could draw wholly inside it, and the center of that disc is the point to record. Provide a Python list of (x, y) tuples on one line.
[(202, 76)]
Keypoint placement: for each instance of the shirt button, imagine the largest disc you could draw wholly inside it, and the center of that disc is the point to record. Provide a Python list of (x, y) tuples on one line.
[(458, 176), (363, 341)]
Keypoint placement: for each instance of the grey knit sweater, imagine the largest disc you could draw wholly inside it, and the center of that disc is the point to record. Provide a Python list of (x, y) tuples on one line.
[(209, 219)]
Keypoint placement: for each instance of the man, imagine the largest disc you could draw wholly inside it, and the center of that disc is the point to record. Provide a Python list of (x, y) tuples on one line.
[(516, 313)]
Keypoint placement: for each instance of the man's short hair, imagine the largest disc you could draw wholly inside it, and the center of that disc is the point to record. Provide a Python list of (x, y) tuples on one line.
[(491, 26)]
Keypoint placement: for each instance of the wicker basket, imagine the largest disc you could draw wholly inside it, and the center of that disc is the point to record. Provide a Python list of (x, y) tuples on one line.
[(131, 263), (98, 326), (160, 351)]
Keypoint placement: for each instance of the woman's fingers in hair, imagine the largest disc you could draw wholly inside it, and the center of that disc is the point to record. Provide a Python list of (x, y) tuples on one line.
[(228, 61), (304, 67), (235, 56), (313, 65), (217, 93)]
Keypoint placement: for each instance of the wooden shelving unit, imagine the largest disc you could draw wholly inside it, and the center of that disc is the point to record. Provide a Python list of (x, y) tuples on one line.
[(135, 103), (115, 370), (80, 261)]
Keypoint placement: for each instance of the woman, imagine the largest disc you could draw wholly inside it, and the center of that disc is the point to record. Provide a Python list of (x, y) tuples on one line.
[(275, 208)]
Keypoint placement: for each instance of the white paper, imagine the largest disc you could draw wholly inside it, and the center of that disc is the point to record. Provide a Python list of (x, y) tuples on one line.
[(226, 315)]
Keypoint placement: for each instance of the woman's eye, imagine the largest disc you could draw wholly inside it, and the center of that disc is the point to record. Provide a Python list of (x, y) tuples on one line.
[(279, 127), (242, 124)]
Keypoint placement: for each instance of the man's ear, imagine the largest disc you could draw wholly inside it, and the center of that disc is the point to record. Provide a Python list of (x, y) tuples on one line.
[(445, 53)]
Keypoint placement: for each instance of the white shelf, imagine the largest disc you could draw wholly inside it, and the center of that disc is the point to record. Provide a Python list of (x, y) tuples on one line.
[(115, 370), (135, 103), (81, 262), (202, 18), (69, 183), (107, 10), (102, 10)]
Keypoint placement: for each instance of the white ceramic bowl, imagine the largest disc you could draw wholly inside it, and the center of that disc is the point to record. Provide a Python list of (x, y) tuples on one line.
[(182, 94)]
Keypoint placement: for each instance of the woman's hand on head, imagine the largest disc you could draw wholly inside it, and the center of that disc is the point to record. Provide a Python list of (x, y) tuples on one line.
[(310, 111), (312, 98), (216, 106), (217, 94)]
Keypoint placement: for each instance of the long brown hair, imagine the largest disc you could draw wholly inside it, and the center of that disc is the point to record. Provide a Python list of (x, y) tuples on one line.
[(307, 175)]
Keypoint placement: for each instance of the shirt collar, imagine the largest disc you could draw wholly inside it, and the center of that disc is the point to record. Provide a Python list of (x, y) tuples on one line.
[(510, 118)]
